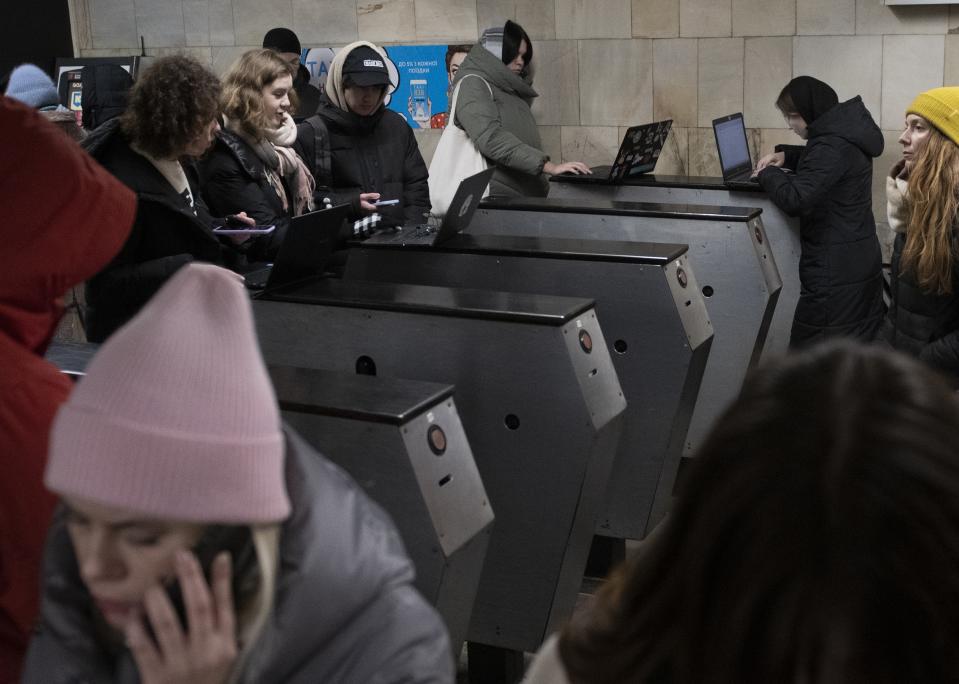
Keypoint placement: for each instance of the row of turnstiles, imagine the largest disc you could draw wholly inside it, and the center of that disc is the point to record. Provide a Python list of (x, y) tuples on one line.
[(592, 338)]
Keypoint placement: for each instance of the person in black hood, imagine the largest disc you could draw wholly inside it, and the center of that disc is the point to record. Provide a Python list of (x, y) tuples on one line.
[(840, 268), (372, 152)]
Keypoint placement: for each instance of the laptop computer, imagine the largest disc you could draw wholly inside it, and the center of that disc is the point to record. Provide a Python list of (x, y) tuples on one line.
[(733, 147), (457, 218), (305, 251), (638, 153)]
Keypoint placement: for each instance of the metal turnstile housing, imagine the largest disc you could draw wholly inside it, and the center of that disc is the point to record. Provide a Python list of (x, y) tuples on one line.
[(541, 413), (728, 249), (403, 442), (653, 319)]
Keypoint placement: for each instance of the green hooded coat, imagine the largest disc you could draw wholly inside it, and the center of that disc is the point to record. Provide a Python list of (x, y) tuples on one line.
[(502, 126)]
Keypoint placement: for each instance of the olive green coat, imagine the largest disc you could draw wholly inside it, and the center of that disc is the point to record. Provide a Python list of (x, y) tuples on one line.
[(502, 126)]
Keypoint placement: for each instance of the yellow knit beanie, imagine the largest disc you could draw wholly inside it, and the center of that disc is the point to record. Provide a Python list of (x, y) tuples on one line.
[(940, 107)]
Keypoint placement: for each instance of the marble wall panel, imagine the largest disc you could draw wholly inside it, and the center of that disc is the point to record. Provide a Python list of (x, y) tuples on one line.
[(615, 82), (223, 57), (222, 30), (825, 17), (324, 23), (769, 66), (536, 16), (253, 18), (557, 82), (910, 65), (950, 75), (593, 18), (703, 158), (113, 24), (872, 17), (674, 159), (81, 30), (720, 78), (770, 137), (427, 139), (161, 23), (385, 21), (852, 65), (705, 18), (201, 54), (452, 21), (655, 18), (592, 145), (675, 80), (196, 21), (764, 17), (552, 139), (105, 52)]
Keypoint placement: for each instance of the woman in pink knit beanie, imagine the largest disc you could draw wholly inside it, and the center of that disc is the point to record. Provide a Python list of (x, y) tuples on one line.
[(199, 541)]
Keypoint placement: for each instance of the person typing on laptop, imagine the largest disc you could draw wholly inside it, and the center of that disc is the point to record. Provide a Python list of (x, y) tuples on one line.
[(840, 267)]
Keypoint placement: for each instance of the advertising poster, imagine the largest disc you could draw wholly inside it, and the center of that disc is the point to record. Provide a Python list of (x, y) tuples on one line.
[(421, 75)]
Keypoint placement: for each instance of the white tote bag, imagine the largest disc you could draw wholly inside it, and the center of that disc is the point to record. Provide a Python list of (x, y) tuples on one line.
[(455, 158)]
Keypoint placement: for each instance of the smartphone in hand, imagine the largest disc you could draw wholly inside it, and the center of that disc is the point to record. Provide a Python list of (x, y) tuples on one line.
[(385, 203)]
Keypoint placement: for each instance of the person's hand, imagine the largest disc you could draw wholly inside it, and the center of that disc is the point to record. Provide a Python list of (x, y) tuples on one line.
[(366, 201), (774, 159), (237, 221), (579, 168), (206, 651)]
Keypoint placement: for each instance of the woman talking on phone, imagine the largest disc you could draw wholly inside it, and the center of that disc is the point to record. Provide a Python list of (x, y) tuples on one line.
[(199, 541)]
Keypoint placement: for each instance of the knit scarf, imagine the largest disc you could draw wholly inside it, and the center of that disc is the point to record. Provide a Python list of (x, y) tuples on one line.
[(173, 173), (897, 204), (282, 164)]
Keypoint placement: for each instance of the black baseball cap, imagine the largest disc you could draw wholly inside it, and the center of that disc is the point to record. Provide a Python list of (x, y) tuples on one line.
[(364, 66)]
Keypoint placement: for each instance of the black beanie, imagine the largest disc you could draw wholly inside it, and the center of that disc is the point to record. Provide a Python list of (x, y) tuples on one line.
[(513, 35), (281, 40)]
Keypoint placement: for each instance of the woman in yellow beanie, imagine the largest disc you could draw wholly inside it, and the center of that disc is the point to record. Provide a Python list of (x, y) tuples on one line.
[(922, 193)]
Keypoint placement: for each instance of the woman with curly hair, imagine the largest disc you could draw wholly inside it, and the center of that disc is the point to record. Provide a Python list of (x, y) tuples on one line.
[(171, 118), (252, 164), (922, 193)]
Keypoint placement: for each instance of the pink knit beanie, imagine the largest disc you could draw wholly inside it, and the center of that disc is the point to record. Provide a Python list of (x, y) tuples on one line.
[(176, 418)]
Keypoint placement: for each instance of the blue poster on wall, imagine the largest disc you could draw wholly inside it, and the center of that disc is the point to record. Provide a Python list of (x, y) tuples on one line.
[(422, 74)]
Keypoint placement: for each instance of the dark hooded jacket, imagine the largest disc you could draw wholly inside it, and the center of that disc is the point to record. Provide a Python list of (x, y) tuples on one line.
[(234, 180), (921, 323), (840, 268), (66, 218), (344, 610), (501, 124), (376, 153), (167, 234)]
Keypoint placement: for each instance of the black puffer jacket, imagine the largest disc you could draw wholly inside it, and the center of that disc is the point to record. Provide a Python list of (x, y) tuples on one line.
[(921, 323), (375, 153), (165, 235), (831, 191), (234, 180)]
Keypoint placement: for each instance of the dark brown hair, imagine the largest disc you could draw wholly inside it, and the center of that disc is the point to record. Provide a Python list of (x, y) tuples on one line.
[(816, 539), (784, 102), (171, 103), (454, 50)]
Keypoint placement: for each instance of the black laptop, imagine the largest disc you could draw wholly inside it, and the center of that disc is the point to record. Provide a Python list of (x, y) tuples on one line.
[(733, 148), (305, 251), (457, 218), (638, 152)]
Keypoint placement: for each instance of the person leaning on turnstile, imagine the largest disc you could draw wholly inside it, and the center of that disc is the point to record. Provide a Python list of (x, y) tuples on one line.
[(173, 441), (922, 204), (830, 189), (816, 539)]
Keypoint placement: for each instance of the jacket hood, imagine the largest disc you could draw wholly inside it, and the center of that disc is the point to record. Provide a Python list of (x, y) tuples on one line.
[(334, 90), (851, 121), (484, 63), (69, 219)]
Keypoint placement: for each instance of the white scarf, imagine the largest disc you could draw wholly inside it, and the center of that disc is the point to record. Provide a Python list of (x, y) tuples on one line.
[(172, 172)]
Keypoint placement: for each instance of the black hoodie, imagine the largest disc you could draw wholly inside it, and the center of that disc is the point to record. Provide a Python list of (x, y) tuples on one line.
[(840, 269)]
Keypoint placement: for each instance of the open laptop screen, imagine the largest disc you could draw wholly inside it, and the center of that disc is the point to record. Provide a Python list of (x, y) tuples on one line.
[(731, 142)]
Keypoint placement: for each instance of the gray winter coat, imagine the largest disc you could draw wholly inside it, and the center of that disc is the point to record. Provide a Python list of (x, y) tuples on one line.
[(345, 609), (502, 126)]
